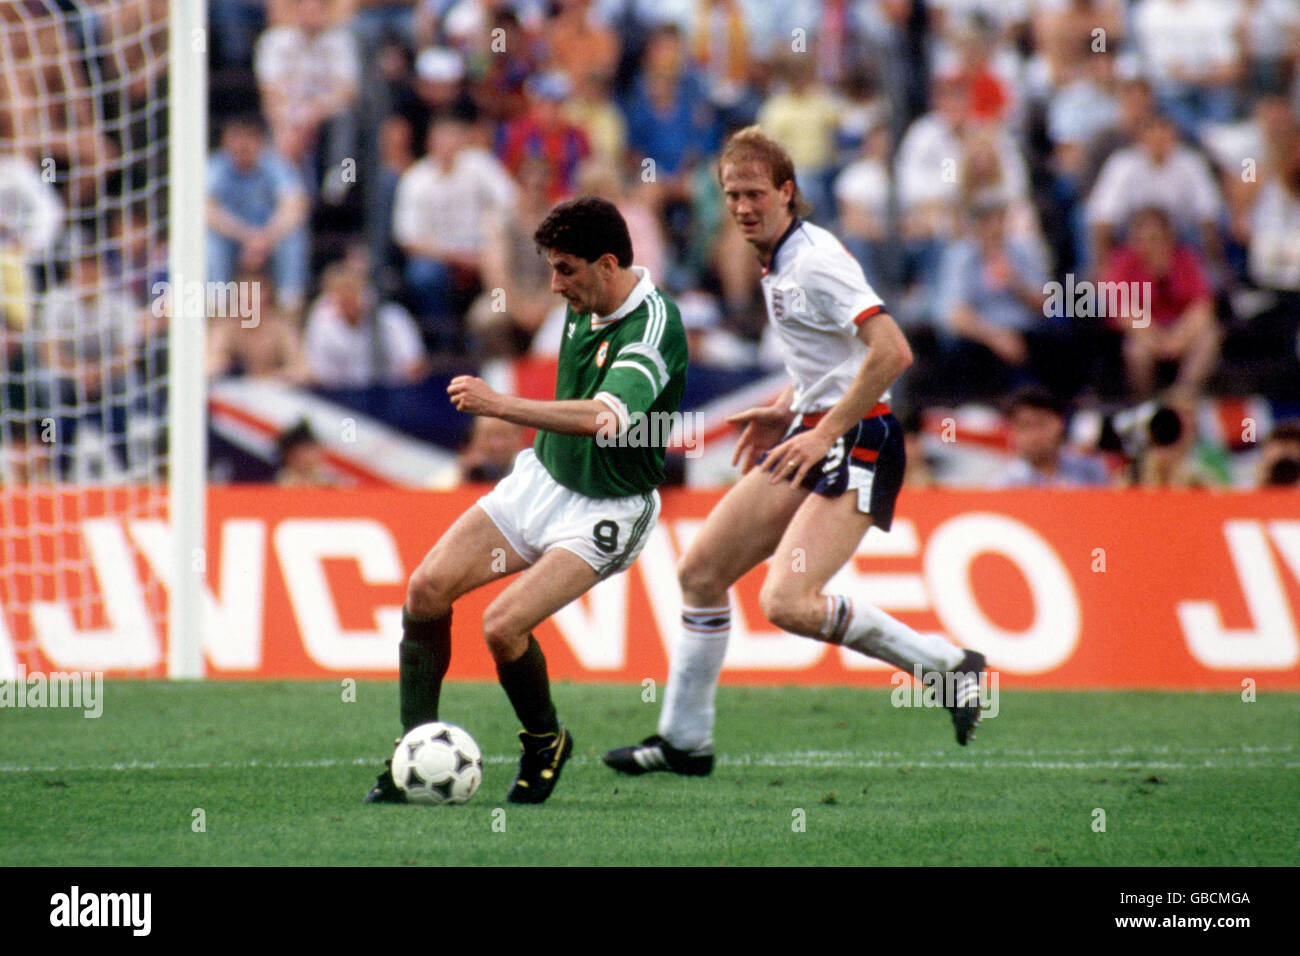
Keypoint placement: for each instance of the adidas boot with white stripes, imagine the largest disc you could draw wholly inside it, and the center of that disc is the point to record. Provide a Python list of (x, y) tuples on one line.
[(655, 753), (961, 692)]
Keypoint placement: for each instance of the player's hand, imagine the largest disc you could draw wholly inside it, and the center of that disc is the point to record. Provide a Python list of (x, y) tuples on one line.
[(797, 455), (764, 426), (473, 396)]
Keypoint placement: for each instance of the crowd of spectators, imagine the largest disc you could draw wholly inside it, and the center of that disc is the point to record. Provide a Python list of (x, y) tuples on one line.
[(377, 166), (82, 239), (971, 154)]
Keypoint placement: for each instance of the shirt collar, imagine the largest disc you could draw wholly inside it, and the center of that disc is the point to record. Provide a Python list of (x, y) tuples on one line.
[(795, 223), (634, 298)]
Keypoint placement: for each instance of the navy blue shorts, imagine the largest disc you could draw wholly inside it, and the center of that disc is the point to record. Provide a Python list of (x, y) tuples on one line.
[(868, 459)]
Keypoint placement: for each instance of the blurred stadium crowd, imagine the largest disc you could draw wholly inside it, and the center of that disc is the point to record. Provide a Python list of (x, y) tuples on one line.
[(1006, 171)]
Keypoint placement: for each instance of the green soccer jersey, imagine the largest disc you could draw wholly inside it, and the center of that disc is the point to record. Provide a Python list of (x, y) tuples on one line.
[(634, 361)]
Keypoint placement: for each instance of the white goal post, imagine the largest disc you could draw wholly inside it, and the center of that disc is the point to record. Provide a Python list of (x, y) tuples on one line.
[(187, 110), (103, 398)]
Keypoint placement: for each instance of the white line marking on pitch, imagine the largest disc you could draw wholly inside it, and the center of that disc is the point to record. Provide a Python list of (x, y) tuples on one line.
[(813, 759)]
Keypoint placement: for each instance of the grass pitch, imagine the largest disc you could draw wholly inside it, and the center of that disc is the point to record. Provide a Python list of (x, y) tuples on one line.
[(804, 776)]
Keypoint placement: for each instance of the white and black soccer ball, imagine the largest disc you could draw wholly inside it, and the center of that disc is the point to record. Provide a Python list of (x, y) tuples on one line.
[(438, 763)]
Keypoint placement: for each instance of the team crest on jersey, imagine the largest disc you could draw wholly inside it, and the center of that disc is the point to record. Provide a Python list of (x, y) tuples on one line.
[(601, 353), (778, 305)]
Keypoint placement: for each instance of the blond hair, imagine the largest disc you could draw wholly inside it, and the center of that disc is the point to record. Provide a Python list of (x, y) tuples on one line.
[(752, 145)]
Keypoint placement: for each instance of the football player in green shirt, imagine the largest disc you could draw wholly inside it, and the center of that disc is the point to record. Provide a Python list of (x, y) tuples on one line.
[(577, 507)]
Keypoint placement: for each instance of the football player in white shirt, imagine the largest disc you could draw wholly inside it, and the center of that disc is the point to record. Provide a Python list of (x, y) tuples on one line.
[(830, 464)]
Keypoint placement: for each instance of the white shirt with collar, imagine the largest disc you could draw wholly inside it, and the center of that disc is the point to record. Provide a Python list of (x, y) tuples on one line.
[(817, 296)]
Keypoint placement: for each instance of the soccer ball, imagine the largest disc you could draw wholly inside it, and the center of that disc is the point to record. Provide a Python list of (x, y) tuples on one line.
[(438, 763)]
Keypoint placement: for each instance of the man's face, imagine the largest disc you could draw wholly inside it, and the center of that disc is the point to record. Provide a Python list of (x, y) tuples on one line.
[(664, 56), (759, 209), (1158, 139), (1151, 240), (350, 296), (950, 101), (306, 458), (581, 283), (243, 146), (1036, 434), (1134, 103), (446, 139)]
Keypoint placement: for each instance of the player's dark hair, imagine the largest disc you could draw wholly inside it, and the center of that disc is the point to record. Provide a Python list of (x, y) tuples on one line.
[(752, 145), (587, 227), (300, 433), (1157, 214), (252, 122), (1285, 431), (1036, 396), (1165, 428), (1283, 473)]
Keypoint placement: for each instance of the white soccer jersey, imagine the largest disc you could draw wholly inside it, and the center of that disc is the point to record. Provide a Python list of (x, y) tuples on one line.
[(817, 296)]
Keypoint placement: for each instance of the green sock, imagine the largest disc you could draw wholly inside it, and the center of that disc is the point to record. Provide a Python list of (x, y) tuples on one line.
[(424, 656), (529, 690)]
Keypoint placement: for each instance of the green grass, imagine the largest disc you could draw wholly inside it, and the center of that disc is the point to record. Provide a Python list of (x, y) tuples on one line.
[(279, 770)]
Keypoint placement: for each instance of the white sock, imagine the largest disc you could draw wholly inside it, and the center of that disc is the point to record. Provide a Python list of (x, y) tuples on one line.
[(871, 631), (686, 720)]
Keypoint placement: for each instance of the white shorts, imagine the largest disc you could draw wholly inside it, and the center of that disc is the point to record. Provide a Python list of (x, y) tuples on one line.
[(536, 513)]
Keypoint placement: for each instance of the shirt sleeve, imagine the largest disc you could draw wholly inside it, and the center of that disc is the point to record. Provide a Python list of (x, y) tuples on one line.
[(954, 287), (837, 291), (1030, 262), (1104, 205), (636, 377), (406, 226), (216, 175), (285, 178), (345, 65), (269, 57), (315, 347), (1205, 192), (401, 338)]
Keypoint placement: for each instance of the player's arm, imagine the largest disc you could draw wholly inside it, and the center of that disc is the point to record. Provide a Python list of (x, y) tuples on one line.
[(637, 375), (764, 425), (227, 224), (568, 417), (291, 210), (888, 357)]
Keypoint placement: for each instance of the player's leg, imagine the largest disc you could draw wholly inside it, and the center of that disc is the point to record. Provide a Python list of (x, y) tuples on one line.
[(583, 540), (471, 553), (557, 579), (741, 531), (820, 540)]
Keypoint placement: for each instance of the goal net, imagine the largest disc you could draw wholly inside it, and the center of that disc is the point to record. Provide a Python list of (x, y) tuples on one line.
[(87, 537)]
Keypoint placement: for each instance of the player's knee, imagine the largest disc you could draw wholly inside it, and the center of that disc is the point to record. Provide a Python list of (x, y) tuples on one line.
[(780, 604), (698, 578), (428, 593), (503, 634)]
